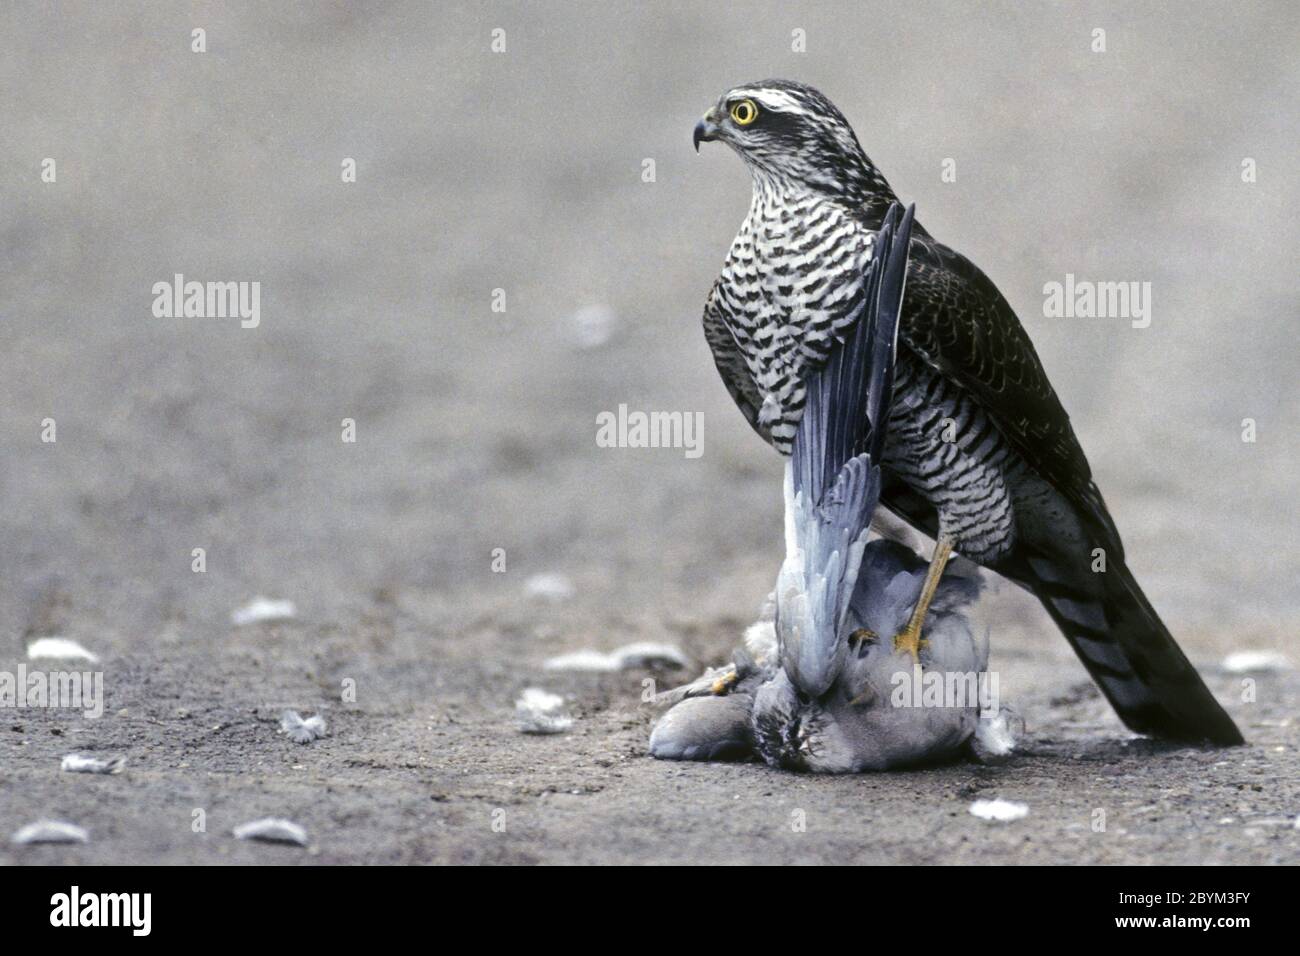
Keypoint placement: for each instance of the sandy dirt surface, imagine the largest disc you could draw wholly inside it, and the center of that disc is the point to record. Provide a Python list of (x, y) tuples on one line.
[(522, 171)]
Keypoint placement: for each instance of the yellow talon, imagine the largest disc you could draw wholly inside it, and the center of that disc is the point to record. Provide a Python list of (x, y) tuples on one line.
[(863, 635), (909, 639)]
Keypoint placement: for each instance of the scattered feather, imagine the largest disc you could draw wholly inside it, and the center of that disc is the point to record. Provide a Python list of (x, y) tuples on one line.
[(302, 731), (760, 640), (639, 655), (1248, 662), (549, 587), (585, 660), (76, 763), (272, 830), (996, 736), (263, 609), (539, 712), (1000, 810), (59, 648), (51, 831)]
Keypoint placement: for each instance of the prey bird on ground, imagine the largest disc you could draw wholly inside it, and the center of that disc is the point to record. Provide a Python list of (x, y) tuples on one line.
[(817, 688), (979, 452)]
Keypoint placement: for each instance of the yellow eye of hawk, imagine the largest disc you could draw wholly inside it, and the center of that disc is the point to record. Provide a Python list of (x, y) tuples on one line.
[(744, 112)]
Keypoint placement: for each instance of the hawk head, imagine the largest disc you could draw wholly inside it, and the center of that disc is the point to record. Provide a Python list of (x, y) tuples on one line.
[(788, 132)]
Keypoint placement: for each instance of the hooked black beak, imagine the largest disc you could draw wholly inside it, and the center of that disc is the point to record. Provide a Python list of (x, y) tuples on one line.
[(705, 132)]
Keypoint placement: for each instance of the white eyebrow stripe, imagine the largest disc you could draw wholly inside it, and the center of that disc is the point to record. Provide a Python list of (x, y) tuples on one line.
[(772, 99)]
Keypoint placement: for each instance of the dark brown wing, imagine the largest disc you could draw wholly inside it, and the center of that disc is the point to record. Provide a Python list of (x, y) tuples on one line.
[(731, 364), (957, 321)]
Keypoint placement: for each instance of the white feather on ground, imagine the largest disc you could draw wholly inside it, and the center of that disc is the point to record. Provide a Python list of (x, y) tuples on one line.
[(628, 657), (76, 763), (302, 731), (51, 831), (538, 711), (996, 736), (272, 830), (1255, 661), (263, 609), (59, 648), (999, 810)]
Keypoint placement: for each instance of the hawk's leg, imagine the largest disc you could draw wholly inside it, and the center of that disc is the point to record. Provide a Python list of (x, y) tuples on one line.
[(909, 638)]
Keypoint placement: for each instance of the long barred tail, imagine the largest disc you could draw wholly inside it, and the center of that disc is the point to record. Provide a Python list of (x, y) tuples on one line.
[(1129, 652)]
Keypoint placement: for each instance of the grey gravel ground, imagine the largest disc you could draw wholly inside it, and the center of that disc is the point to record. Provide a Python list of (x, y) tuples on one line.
[(522, 171)]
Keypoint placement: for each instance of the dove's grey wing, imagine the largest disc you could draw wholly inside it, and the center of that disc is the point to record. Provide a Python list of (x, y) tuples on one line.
[(833, 476)]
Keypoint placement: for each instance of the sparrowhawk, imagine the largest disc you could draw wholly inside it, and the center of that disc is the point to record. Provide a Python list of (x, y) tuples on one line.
[(819, 685), (979, 452)]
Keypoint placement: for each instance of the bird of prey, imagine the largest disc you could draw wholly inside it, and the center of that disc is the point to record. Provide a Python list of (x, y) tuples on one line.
[(817, 689), (979, 452)]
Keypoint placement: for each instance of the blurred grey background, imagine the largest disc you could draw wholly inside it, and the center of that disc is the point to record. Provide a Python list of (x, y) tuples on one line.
[(522, 171)]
